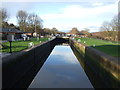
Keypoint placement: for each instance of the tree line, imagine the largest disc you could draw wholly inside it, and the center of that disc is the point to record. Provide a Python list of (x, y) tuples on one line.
[(84, 31), (27, 22), (110, 30), (31, 22)]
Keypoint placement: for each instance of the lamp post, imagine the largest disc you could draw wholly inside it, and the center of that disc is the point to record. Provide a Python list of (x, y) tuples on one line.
[(35, 26), (10, 46), (35, 29)]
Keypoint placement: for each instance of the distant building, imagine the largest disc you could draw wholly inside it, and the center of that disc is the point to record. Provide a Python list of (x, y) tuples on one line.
[(6, 31), (30, 34)]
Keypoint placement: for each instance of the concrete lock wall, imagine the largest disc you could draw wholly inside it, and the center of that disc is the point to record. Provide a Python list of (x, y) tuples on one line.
[(19, 69), (102, 69)]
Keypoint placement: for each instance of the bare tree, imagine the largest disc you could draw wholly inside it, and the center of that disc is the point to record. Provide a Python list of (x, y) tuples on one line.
[(47, 31), (110, 30), (3, 17), (54, 30), (22, 18), (106, 30), (86, 32), (119, 22), (74, 31), (115, 27), (114, 23), (35, 22), (105, 26)]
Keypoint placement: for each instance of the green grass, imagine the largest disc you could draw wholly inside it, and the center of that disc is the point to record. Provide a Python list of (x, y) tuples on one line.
[(110, 48), (20, 45)]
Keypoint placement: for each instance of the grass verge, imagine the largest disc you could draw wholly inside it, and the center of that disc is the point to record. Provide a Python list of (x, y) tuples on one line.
[(110, 48), (20, 45)]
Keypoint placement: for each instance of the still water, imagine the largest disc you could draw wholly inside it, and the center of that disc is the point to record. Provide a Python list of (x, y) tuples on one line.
[(61, 70)]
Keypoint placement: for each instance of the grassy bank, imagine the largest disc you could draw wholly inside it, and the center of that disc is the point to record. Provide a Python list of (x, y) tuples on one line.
[(20, 45), (110, 48)]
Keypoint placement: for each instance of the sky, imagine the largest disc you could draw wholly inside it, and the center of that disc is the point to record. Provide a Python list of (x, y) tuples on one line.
[(64, 15)]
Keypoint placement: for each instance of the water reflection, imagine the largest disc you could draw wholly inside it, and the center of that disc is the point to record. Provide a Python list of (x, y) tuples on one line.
[(61, 70)]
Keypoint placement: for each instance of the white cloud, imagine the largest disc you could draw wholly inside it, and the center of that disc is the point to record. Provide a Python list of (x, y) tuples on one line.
[(14, 21), (74, 15), (98, 4), (76, 11), (81, 17), (69, 12)]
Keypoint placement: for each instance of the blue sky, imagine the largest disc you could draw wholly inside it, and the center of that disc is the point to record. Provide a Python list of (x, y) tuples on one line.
[(65, 15)]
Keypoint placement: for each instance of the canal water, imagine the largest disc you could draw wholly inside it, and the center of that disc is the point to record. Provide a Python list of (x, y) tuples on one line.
[(61, 70)]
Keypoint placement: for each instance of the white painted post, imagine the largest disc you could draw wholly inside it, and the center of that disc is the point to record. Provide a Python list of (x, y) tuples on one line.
[(28, 38), (24, 38)]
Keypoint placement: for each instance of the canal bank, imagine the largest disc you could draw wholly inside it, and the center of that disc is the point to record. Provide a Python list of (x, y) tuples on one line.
[(102, 69), (19, 70), (61, 70)]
